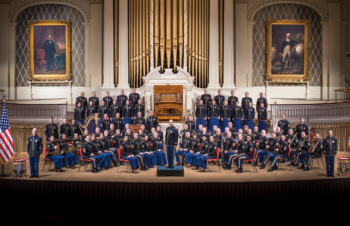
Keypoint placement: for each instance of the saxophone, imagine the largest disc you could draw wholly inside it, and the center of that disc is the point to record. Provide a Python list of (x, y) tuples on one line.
[(315, 146), (295, 135)]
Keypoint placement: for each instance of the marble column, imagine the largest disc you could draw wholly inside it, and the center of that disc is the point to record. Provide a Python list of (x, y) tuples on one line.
[(214, 45), (108, 44), (123, 45), (229, 49)]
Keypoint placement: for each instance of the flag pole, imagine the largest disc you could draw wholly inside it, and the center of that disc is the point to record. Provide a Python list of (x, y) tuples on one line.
[(2, 164)]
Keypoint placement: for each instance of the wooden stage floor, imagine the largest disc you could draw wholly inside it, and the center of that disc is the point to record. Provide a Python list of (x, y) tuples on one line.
[(191, 176)]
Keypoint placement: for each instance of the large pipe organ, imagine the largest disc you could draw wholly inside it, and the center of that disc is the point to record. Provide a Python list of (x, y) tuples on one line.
[(168, 33)]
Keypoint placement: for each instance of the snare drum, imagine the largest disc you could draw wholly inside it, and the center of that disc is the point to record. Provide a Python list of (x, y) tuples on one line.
[(19, 168), (343, 166)]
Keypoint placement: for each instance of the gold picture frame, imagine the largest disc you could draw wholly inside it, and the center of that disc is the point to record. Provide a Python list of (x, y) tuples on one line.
[(50, 61), (288, 59)]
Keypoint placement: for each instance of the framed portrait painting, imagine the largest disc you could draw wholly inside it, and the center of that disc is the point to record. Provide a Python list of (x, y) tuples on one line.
[(50, 50), (287, 50)]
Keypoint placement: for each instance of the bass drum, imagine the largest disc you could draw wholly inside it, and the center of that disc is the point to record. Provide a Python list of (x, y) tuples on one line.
[(19, 168)]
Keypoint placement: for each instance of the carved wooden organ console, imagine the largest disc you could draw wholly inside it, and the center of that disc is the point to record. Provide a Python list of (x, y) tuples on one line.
[(168, 102)]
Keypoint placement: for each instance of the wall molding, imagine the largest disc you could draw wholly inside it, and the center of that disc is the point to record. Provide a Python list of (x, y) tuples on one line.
[(5, 1), (17, 10), (322, 12), (343, 9), (96, 1)]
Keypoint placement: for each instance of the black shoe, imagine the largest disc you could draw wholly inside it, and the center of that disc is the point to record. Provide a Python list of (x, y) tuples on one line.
[(254, 164), (331, 175), (172, 167), (300, 167), (270, 170), (134, 172), (196, 168), (177, 163), (306, 169), (94, 171), (224, 166), (143, 169), (275, 167), (227, 168), (240, 170), (31, 176), (295, 165), (262, 166), (37, 176), (168, 167), (98, 169), (328, 175)]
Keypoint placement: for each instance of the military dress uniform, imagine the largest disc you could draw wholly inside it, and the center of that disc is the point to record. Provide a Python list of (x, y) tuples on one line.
[(121, 100), (301, 128), (105, 125), (113, 110), (241, 147), (139, 108), (219, 100), (127, 114), (34, 149), (259, 101), (65, 129), (140, 121), (102, 110), (108, 101), (330, 147), (203, 149), (185, 144), (261, 147), (304, 145), (206, 98), (247, 153), (245, 103), (145, 147), (237, 117), (126, 151), (232, 103), (201, 115), (104, 158), (285, 126), (136, 150), (249, 117), (71, 157), (225, 113), (157, 144), (58, 160), (195, 148), (282, 153), (211, 152), (272, 150), (152, 121), (91, 110), (191, 126), (112, 133), (213, 115), (256, 136), (74, 129), (95, 101), (83, 102), (171, 140), (87, 150), (118, 124), (160, 135), (79, 115), (262, 115), (51, 130), (134, 98), (317, 153)]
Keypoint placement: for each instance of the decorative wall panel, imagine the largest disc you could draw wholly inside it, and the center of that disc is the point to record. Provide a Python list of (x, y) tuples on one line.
[(51, 12), (286, 12)]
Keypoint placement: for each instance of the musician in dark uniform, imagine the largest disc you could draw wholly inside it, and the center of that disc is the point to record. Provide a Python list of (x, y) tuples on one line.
[(316, 150), (206, 98), (82, 100), (249, 133), (249, 116), (255, 134), (272, 149), (112, 131), (121, 99), (237, 117), (201, 114), (95, 100), (85, 134), (301, 128), (185, 147), (232, 129), (192, 151), (136, 145), (102, 110), (261, 100), (232, 102), (139, 108), (245, 102), (91, 110), (171, 139), (247, 153), (77, 142), (147, 151), (65, 128), (105, 124), (74, 128), (134, 98), (79, 113), (157, 148), (261, 146), (51, 130), (191, 125), (284, 124), (219, 99), (236, 149), (127, 113), (293, 142), (90, 151), (203, 149), (225, 114), (160, 133), (114, 109), (152, 121), (118, 122), (108, 100), (262, 116), (211, 154), (34, 150), (228, 145), (139, 120), (58, 159), (302, 151), (213, 115), (281, 153), (330, 146), (183, 132), (71, 157)]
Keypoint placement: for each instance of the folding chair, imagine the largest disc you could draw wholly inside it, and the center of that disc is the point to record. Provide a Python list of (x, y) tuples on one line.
[(214, 160), (128, 167), (245, 161), (317, 158), (46, 160), (85, 161), (286, 161)]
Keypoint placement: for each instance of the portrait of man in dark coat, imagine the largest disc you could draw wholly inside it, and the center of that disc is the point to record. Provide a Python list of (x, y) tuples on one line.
[(50, 51)]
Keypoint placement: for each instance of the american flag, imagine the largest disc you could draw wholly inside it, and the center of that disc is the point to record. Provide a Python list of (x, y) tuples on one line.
[(6, 142)]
